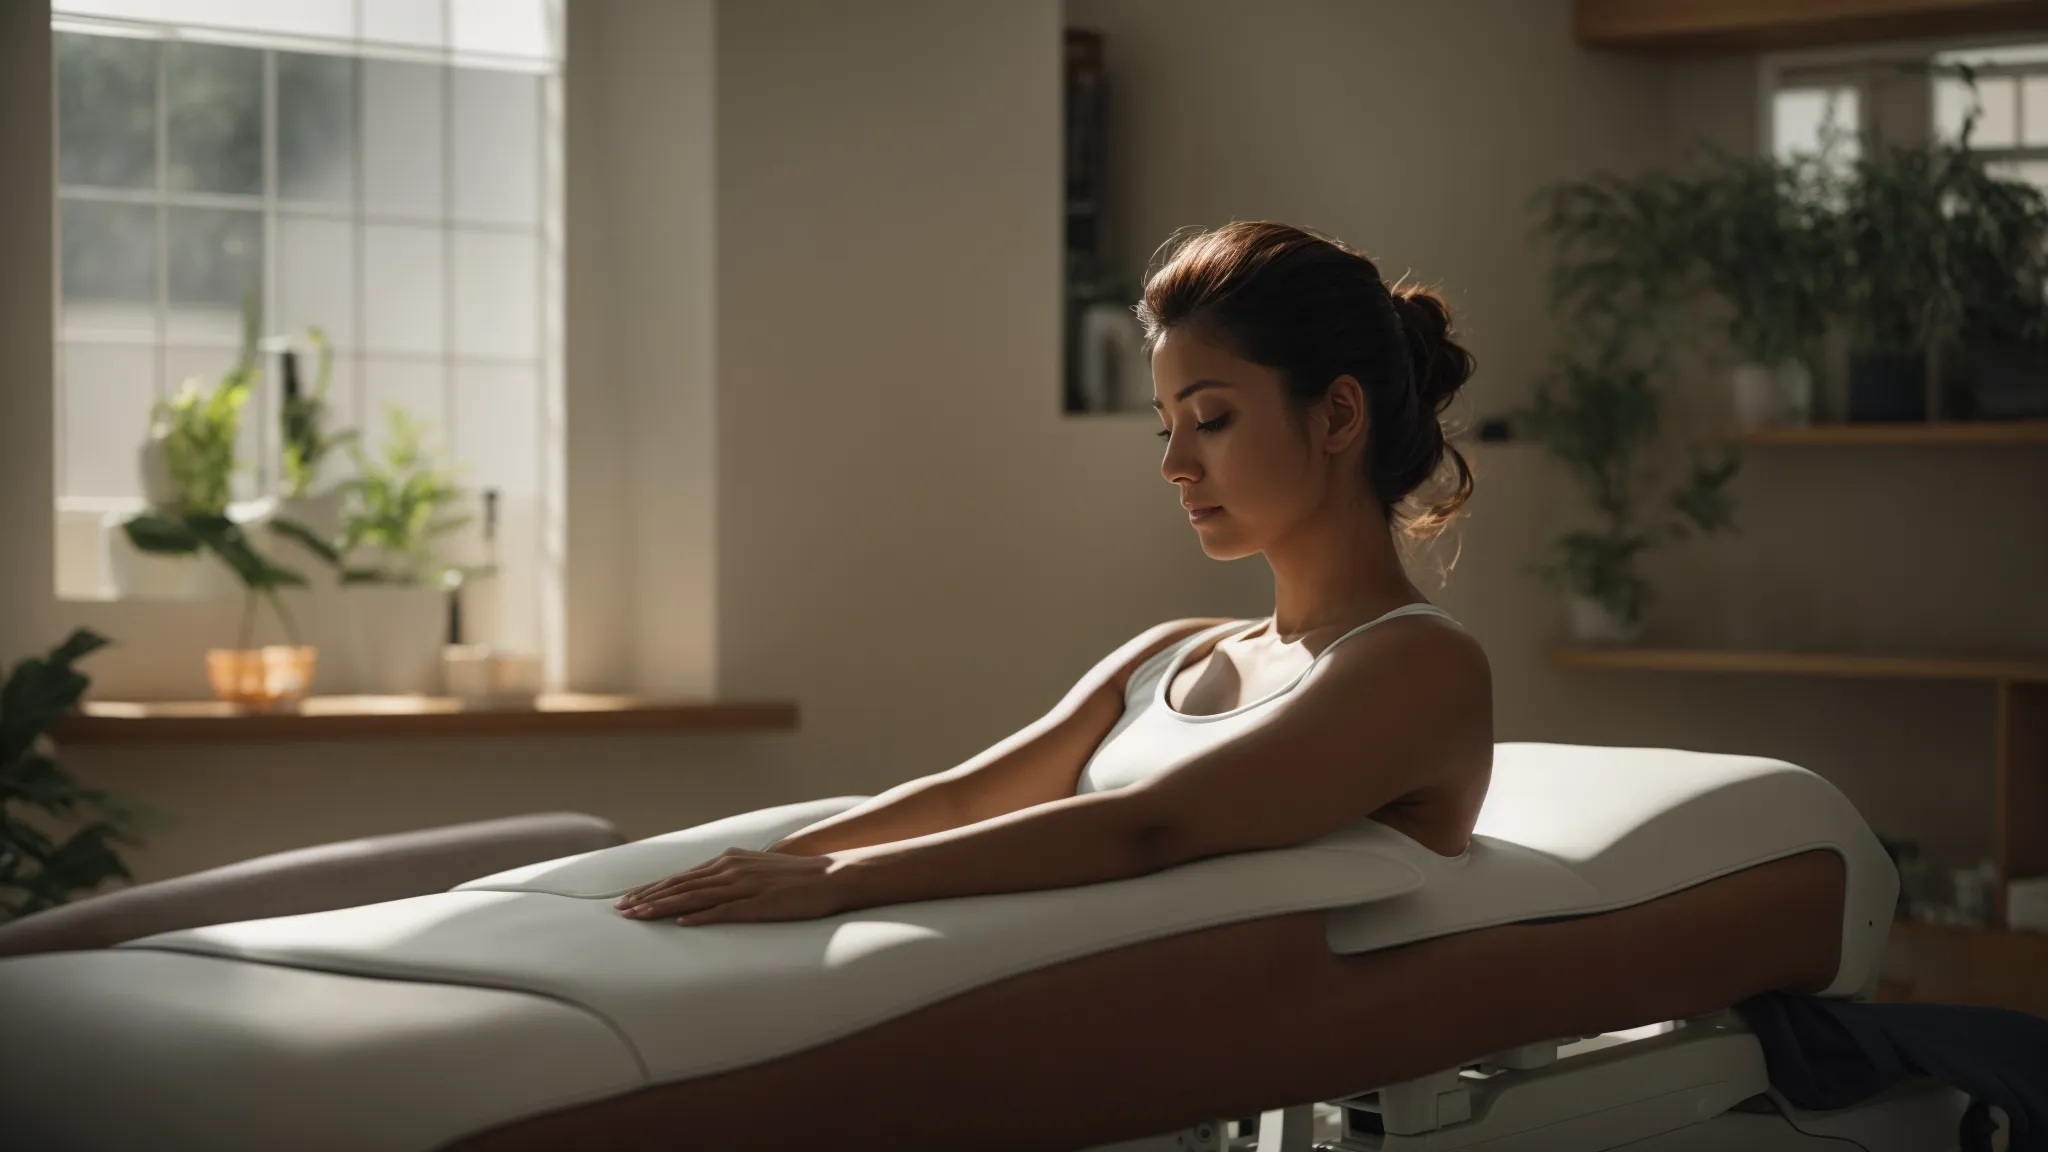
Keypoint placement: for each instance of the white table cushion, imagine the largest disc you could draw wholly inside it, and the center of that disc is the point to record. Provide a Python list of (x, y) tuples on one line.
[(700, 1000), (1570, 830), (163, 1051)]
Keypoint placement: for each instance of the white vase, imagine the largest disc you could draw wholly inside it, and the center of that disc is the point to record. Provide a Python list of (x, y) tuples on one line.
[(1594, 623), (1770, 395), (1755, 390), (1115, 372), (321, 514), (394, 638), (155, 471), (132, 573), (1795, 392)]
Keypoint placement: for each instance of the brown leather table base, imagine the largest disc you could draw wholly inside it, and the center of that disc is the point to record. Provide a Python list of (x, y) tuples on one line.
[(1227, 1022)]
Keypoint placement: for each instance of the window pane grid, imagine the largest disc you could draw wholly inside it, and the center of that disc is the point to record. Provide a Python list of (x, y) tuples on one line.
[(224, 184)]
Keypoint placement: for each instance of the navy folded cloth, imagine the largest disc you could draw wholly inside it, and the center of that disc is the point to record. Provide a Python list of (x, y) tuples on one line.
[(1824, 1054)]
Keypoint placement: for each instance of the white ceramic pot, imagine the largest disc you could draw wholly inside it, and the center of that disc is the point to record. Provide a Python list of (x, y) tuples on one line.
[(1755, 391), (1770, 395), (155, 471), (1594, 623), (320, 513), (1795, 392), (1115, 373), (132, 573), (394, 638)]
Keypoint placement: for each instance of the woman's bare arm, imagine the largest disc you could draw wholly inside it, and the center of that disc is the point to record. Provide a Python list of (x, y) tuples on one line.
[(1408, 708), (1038, 764)]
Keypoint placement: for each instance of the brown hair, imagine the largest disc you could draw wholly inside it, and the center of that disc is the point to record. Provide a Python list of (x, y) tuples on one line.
[(1313, 310)]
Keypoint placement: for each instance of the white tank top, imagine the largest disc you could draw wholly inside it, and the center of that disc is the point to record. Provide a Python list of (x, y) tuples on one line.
[(1151, 737)]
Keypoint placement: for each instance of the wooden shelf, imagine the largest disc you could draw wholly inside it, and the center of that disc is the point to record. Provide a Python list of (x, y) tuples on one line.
[(1759, 25), (1995, 669), (324, 718), (1954, 432), (1936, 963)]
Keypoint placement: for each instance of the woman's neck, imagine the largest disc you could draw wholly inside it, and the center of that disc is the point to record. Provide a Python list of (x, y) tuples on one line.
[(1336, 570)]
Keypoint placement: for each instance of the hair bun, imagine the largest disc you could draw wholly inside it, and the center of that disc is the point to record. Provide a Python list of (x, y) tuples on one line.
[(1441, 365)]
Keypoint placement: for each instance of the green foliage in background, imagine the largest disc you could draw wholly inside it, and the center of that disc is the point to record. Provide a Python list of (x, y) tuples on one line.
[(1761, 234), (1628, 262), (1631, 253), (1997, 247), (307, 443), (1899, 297), (1622, 253), (400, 506), (199, 449), (39, 869), (198, 428), (1600, 418)]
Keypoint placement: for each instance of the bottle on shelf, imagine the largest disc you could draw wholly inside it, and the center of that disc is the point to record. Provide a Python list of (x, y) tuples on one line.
[(470, 659)]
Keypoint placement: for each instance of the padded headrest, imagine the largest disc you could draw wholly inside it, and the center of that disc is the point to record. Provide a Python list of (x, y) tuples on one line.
[(1627, 818)]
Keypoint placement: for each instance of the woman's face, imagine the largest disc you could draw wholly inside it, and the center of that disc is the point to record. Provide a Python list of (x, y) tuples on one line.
[(1236, 452)]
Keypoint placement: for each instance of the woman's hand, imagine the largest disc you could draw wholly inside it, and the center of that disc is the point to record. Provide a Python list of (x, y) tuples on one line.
[(739, 885)]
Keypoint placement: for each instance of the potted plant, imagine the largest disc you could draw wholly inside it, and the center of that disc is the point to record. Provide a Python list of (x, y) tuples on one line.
[(1900, 294), (307, 444), (38, 871), (1997, 253), (189, 518), (398, 508), (1599, 416), (1624, 255), (1762, 232), (187, 466)]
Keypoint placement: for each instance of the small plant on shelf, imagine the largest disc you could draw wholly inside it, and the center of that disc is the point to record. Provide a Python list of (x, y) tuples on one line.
[(1627, 265), (1997, 254), (307, 443), (399, 506), (1600, 417), (195, 431), (38, 871)]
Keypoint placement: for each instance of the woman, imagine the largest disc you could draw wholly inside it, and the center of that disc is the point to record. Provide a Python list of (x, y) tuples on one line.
[(1300, 398)]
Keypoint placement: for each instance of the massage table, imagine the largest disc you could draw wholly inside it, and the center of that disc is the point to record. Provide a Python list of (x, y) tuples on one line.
[(1495, 1000)]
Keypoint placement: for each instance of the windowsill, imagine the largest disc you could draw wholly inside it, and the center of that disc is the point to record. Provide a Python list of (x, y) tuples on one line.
[(327, 718)]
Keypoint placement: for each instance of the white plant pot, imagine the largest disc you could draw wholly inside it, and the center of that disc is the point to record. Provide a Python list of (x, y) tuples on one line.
[(320, 513), (394, 638), (132, 573), (1594, 623), (155, 471), (1755, 390), (1795, 392), (1770, 395)]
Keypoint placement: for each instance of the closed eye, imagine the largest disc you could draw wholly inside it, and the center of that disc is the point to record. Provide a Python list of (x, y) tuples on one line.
[(1200, 426)]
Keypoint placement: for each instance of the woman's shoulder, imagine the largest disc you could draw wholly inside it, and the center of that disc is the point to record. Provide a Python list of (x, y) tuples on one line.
[(1428, 653)]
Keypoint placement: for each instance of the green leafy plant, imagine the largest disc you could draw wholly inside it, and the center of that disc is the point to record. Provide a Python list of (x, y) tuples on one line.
[(1998, 258), (37, 870), (1900, 296), (1764, 241), (307, 444), (199, 428), (1599, 416), (1632, 254), (399, 506), (1624, 253)]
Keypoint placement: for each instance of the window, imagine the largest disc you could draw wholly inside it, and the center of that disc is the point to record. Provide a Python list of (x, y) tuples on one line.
[(383, 169), (1811, 120), (1914, 93), (2011, 102)]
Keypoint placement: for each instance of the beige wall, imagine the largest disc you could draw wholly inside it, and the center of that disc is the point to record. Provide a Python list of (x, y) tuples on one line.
[(895, 526)]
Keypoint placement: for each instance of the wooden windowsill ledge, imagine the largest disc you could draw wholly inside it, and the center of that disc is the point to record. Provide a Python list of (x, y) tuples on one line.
[(411, 717)]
